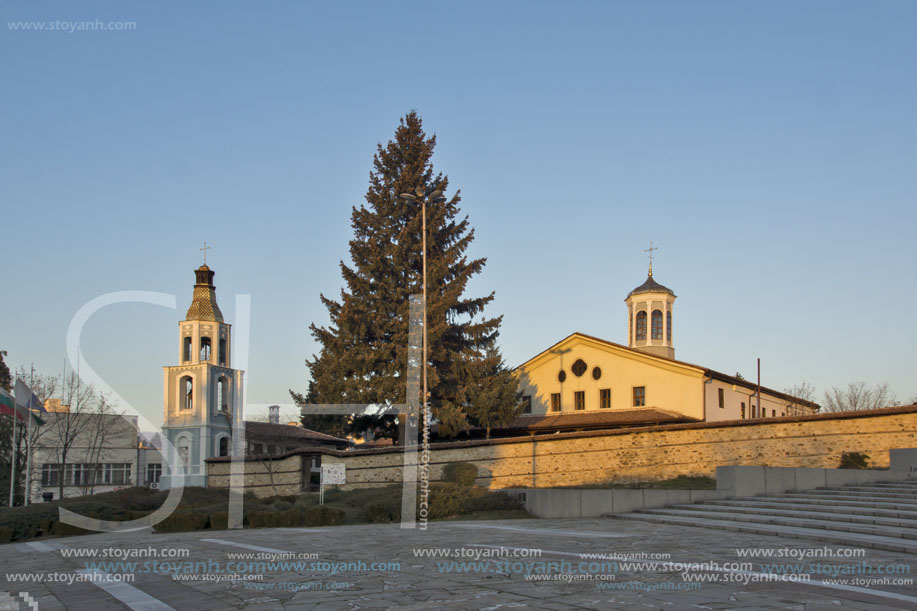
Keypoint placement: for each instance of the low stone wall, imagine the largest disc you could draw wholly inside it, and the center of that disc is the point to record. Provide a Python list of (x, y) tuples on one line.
[(649, 453)]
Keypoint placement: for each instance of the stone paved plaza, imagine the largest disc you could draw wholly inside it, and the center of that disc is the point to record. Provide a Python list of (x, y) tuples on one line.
[(334, 569)]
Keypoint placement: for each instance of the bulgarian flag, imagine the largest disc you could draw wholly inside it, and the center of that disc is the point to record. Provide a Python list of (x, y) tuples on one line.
[(8, 405)]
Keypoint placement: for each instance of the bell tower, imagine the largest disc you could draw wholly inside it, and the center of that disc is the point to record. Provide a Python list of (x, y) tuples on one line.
[(649, 315), (203, 392)]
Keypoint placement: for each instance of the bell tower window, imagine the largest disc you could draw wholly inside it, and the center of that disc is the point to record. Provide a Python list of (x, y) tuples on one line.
[(640, 335), (668, 326), (186, 386), (205, 349), (223, 351), (657, 324), (186, 349), (223, 395)]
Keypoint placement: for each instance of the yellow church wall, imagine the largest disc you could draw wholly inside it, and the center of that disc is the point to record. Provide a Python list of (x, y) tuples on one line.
[(733, 398), (669, 385)]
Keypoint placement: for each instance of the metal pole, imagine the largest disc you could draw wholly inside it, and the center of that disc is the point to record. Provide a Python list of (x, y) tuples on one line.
[(760, 415), (13, 454), (423, 215), (28, 461)]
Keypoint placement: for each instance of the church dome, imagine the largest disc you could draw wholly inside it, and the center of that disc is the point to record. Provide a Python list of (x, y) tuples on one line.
[(651, 286), (204, 303)]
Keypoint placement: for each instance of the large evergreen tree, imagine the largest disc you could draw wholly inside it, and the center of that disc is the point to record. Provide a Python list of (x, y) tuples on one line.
[(363, 356)]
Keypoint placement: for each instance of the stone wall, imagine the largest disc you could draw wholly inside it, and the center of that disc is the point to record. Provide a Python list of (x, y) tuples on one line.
[(649, 453)]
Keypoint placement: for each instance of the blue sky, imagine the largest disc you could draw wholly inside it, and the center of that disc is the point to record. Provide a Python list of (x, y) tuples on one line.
[(768, 149)]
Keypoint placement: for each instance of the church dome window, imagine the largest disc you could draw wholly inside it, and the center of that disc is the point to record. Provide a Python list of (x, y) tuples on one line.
[(579, 367), (657, 324), (596, 373), (561, 375), (640, 333), (668, 326)]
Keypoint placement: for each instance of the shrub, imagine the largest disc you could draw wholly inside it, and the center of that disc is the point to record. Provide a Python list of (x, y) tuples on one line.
[(490, 501), (6, 534), (182, 522), (219, 520), (256, 519), (461, 473), (381, 513), (446, 501), (323, 515), (854, 460)]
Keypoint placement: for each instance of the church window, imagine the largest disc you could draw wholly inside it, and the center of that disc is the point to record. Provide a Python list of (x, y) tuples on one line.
[(186, 349), (605, 398), (596, 373), (579, 400), (555, 402), (561, 375), (722, 397), (639, 396), (657, 324), (205, 349), (224, 446), (668, 326), (742, 411), (773, 413), (223, 351), (223, 395), (186, 387), (641, 326), (527, 404), (579, 367)]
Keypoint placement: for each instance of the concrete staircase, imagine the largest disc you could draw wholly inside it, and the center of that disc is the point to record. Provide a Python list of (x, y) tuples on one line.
[(877, 515)]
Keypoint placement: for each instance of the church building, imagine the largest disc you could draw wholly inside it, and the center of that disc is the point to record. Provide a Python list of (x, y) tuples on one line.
[(583, 382), (203, 393)]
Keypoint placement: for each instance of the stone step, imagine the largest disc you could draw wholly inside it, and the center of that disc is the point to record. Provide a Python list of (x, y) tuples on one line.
[(878, 487), (816, 523), (813, 513), (832, 508), (855, 501), (909, 496), (843, 538)]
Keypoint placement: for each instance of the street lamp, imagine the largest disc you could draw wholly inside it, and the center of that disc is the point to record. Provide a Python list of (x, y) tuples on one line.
[(434, 197)]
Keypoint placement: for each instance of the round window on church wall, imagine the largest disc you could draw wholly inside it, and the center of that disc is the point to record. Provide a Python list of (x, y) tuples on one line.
[(579, 367), (561, 376), (596, 373)]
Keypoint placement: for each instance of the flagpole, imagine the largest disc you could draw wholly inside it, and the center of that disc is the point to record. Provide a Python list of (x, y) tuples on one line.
[(28, 461), (13, 455)]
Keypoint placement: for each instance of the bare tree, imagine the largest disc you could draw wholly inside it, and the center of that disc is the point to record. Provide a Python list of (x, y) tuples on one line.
[(86, 423), (803, 391), (858, 396), (17, 449)]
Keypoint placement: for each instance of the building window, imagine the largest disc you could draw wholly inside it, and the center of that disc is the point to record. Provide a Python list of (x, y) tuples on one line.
[(721, 397), (657, 324), (639, 396), (579, 367), (50, 475), (641, 326), (596, 373), (555, 402), (223, 351), (153, 473), (224, 446), (668, 326), (223, 403), (561, 376), (117, 473), (773, 413), (579, 400), (527, 404), (205, 349), (605, 398), (186, 388), (186, 349), (742, 411)]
